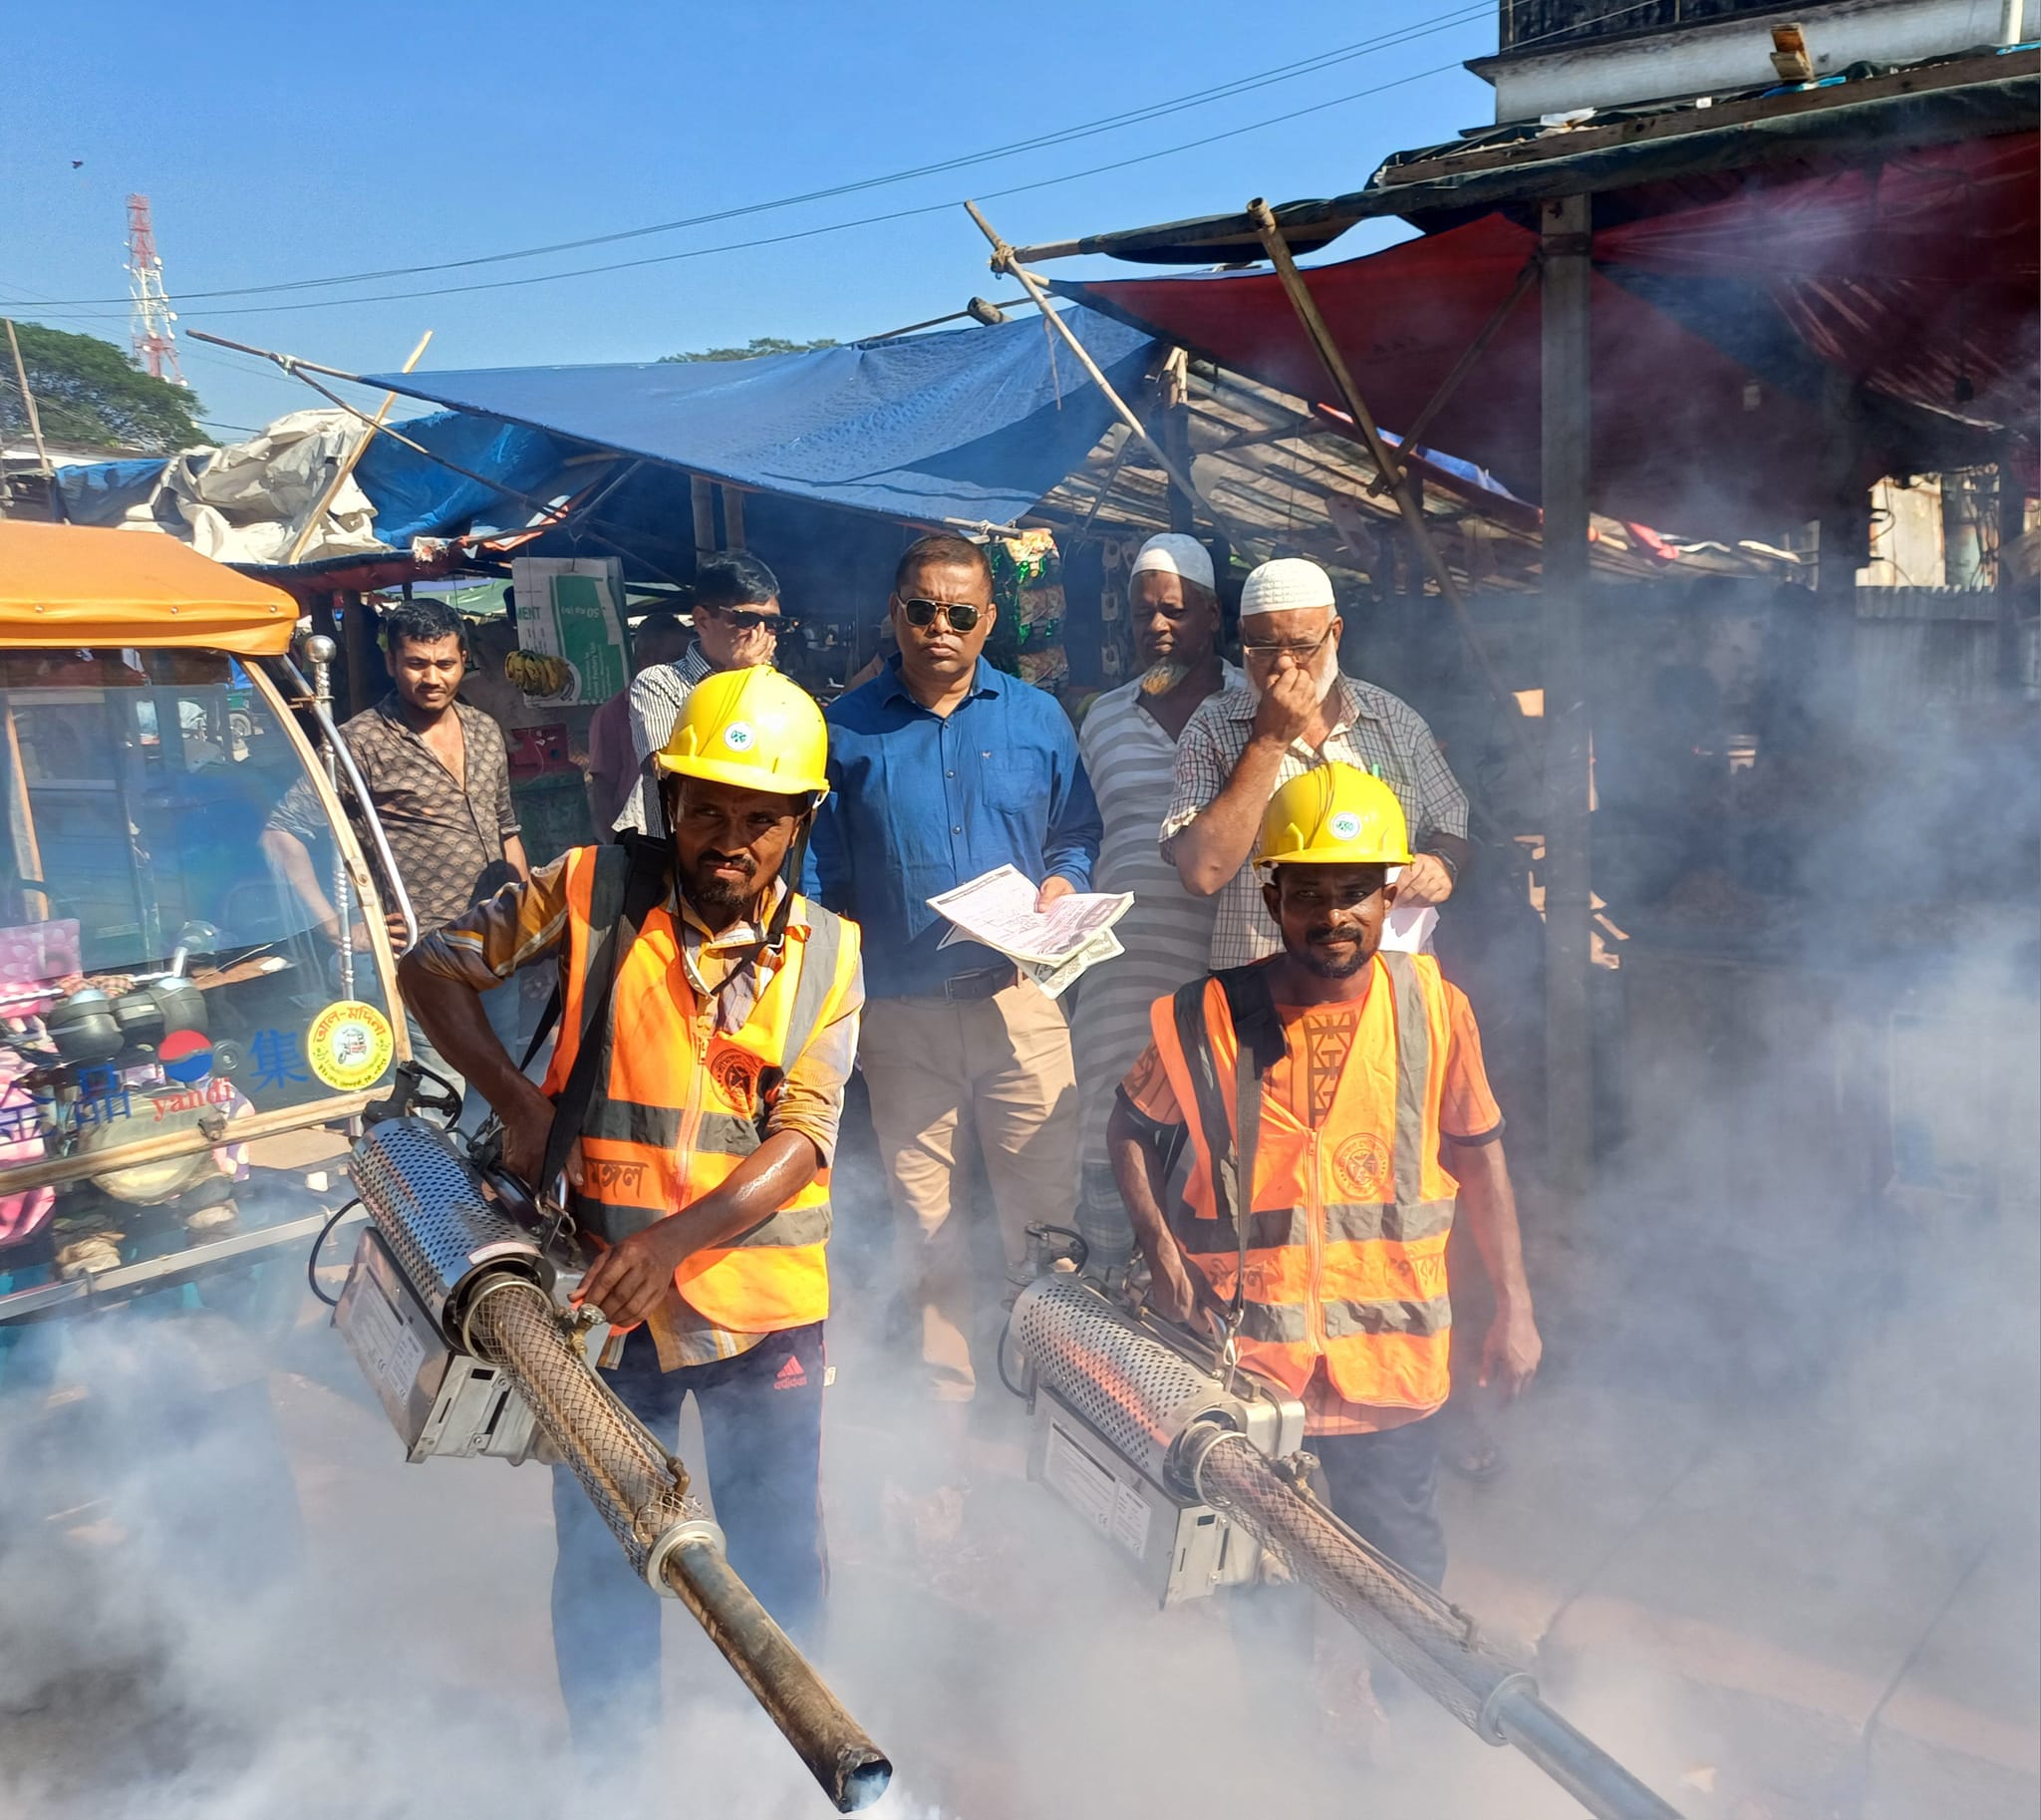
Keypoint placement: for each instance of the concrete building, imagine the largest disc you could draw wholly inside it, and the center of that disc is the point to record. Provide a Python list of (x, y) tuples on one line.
[(1556, 56)]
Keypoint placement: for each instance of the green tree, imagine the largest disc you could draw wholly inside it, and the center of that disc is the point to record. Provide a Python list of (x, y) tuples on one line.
[(760, 344), (90, 393)]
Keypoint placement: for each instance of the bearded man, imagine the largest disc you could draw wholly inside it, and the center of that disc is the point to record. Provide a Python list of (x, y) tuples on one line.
[(1128, 744), (1293, 712)]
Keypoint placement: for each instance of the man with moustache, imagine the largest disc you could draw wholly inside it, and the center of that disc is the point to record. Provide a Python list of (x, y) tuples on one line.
[(737, 623), (439, 776), (1296, 711), (941, 769), (693, 1104), (1364, 1118), (1128, 744)]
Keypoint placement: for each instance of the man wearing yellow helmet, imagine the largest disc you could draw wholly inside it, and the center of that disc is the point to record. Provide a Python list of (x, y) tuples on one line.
[(708, 1020), (1353, 1080)]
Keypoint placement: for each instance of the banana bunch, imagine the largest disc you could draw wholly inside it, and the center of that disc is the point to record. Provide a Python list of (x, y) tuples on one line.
[(538, 674)]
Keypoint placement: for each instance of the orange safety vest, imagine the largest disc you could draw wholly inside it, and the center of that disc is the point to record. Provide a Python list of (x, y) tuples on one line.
[(1346, 1235), (679, 1103)]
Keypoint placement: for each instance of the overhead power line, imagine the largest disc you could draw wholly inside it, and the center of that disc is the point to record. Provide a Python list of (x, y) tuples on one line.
[(1429, 27)]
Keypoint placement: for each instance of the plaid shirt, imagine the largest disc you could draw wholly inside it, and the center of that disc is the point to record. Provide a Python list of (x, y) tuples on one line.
[(447, 838), (657, 696), (1372, 730)]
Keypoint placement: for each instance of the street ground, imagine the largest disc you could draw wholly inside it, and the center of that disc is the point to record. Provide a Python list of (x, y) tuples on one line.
[(1777, 1595)]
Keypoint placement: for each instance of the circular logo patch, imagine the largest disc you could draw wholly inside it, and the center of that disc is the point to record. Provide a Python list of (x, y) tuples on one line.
[(736, 1074), (1344, 827), (349, 1046), (738, 736), (1362, 1166)]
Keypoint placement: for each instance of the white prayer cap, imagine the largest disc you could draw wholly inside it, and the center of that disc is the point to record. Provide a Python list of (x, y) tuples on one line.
[(1173, 553), (1281, 586)]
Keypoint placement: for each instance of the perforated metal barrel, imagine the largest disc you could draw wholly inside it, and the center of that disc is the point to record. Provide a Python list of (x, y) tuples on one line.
[(1133, 1390), (429, 1203)]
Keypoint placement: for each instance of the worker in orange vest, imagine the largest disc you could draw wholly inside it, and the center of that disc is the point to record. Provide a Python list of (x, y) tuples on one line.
[(1344, 1085), (708, 1022)]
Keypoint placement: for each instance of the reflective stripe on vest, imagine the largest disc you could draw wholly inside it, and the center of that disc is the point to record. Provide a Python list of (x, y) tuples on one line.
[(1347, 1237), (681, 1103)]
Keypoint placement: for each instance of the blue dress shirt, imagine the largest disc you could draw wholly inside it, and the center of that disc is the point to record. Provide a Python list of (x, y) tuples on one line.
[(919, 804)]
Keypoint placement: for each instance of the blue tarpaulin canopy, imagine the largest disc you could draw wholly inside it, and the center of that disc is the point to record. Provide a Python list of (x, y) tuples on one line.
[(973, 426)]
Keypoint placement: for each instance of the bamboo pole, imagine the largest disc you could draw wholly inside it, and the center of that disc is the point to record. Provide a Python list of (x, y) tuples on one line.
[(1002, 261), (27, 402), (1335, 363), (310, 527)]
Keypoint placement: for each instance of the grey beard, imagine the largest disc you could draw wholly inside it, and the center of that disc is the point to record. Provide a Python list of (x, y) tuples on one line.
[(1163, 677)]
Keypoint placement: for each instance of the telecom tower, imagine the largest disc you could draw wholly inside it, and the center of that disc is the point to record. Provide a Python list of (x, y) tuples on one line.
[(150, 317)]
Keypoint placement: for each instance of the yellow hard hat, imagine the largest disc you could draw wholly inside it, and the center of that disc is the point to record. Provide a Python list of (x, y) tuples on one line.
[(1335, 814), (752, 729)]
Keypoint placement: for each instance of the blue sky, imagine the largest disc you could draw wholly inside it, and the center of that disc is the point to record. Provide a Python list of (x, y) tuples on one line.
[(282, 142)]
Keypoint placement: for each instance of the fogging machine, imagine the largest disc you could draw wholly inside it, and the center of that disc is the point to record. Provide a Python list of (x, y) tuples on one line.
[(451, 1312), (1192, 1467)]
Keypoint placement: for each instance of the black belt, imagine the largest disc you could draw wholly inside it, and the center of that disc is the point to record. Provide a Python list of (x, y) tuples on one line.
[(966, 988)]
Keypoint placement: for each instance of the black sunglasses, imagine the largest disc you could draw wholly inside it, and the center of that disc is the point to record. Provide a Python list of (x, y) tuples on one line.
[(961, 615), (741, 619)]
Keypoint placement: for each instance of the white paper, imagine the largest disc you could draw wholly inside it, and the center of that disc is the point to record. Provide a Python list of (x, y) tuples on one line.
[(998, 909), (1409, 927)]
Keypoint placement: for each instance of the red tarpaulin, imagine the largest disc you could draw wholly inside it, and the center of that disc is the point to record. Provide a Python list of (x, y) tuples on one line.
[(1712, 329)]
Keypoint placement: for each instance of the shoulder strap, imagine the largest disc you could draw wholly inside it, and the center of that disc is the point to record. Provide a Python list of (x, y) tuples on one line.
[(629, 879), (1258, 1037), (1257, 1031)]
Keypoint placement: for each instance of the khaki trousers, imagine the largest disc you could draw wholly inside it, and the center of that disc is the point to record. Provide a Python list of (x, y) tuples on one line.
[(990, 1073)]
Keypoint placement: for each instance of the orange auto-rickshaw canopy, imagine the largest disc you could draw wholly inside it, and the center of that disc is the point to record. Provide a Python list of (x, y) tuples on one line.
[(64, 586)]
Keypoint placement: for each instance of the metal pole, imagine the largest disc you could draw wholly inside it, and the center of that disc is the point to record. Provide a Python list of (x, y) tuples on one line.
[(1004, 261), (1576, 1762), (27, 402), (1387, 463), (1565, 240)]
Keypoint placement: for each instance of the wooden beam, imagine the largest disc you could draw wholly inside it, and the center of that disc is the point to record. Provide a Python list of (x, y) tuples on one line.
[(733, 518), (701, 496), (1335, 363), (1565, 241)]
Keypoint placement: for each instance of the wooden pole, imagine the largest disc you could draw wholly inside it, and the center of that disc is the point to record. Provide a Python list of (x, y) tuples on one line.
[(310, 527), (1565, 238), (701, 496), (28, 404), (1004, 261), (733, 518), (1335, 363), (2016, 597)]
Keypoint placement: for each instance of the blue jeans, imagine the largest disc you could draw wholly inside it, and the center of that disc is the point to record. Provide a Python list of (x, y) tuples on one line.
[(762, 1433)]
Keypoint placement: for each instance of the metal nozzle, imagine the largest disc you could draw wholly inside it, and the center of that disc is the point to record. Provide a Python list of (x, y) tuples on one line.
[(481, 1280)]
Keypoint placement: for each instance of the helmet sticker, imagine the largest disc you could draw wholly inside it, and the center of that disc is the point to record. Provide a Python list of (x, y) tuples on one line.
[(1344, 827), (738, 736)]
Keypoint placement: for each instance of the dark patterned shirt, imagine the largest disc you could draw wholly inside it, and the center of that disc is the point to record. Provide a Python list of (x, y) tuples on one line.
[(447, 838)]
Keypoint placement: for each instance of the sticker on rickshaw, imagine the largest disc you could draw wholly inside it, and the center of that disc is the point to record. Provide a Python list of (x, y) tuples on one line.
[(349, 1046)]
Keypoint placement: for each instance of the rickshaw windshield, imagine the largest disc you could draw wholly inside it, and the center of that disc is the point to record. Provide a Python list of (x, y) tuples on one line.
[(161, 941)]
